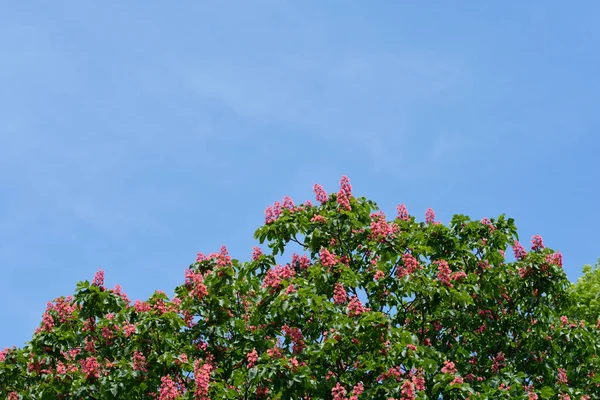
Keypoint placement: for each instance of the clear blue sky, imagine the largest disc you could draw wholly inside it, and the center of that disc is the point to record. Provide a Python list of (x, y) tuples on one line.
[(134, 134)]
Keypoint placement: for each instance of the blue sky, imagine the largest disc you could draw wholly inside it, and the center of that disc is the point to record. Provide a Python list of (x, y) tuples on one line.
[(134, 134)]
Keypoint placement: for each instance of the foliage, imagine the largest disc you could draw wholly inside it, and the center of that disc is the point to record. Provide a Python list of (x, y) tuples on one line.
[(369, 309), (585, 295)]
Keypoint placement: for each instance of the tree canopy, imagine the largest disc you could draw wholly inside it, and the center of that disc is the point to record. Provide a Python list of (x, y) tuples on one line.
[(365, 308)]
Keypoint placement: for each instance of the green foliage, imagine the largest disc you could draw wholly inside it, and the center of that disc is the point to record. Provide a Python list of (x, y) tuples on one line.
[(585, 295), (371, 308)]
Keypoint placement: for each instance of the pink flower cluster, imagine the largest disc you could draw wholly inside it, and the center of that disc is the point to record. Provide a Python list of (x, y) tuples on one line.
[(356, 307), (296, 337), (141, 306), (339, 294), (256, 253), (380, 228), (345, 193), (195, 283), (90, 367), (519, 250), (276, 274), (410, 266), (202, 373), (537, 243), (430, 216), (448, 368), (402, 212), (321, 194), (444, 273), (555, 259), (168, 389), (302, 262), (272, 212), (327, 258), (98, 278), (139, 362), (252, 358), (288, 203), (408, 391)]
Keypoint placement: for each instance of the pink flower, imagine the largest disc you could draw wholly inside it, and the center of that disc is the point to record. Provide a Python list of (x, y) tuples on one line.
[(288, 203), (408, 391), (302, 262), (168, 390), (141, 306), (487, 222), (139, 362), (276, 275), (379, 275), (338, 392), (537, 243), (430, 216), (195, 283), (13, 396), (519, 250), (555, 259), (252, 358), (98, 278), (402, 212), (90, 367), (339, 294), (318, 218), (343, 201), (358, 389), (444, 273), (355, 307), (129, 329), (256, 253), (457, 381), (321, 194), (202, 377), (296, 337), (345, 186), (562, 376), (449, 367), (327, 258)]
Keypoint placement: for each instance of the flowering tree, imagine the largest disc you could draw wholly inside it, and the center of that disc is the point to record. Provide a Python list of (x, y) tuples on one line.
[(368, 308)]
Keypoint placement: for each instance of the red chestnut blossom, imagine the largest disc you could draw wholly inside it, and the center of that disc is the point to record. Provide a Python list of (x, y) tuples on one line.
[(355, 307), (444, 273), (195, 282), (98, 278), (139, 362), (562, 376), (340, 296), (252, 358), (408, 391), (327, 258), (256, 253), (321, 194), (288, 203), (90, 367), (402, 212), (168, 389), (537, 243), (519, 250), (276, 274), (448, 367), (338, 392), (430, 216)]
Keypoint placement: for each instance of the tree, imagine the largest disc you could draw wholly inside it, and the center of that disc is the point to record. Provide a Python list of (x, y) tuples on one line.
[(585, 295), (368, 309)]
